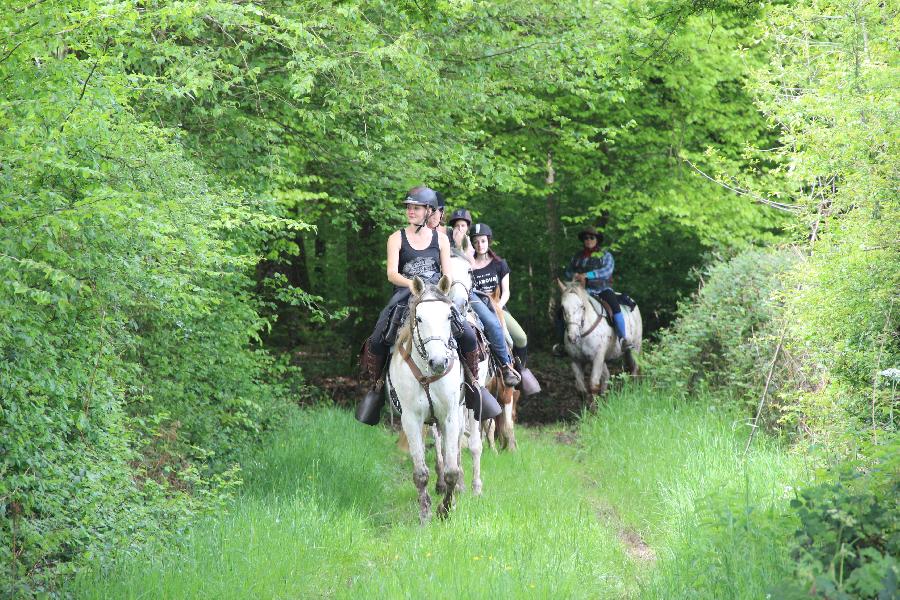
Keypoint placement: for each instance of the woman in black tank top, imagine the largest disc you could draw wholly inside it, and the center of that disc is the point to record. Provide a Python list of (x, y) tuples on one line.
[(419, 251), (425, 263)]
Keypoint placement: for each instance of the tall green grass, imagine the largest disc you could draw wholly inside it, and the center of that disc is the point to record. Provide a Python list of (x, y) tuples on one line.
[(676, 473), (329, 510)]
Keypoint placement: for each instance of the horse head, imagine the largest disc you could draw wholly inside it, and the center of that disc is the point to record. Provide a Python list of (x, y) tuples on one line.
[(461, 274), (430, 316), (574, 303)]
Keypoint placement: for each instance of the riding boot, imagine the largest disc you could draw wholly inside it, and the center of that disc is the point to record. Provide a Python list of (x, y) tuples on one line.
[(369, 409), (511, 377), (520, 354), (478, 399)]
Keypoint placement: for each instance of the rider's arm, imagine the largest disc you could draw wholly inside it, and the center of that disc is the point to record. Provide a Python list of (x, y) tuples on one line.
[(393, 260), (504, 291), (605, 270), (444, 245)]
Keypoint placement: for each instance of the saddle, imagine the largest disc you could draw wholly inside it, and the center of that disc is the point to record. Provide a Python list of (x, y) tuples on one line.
[(603, 308)]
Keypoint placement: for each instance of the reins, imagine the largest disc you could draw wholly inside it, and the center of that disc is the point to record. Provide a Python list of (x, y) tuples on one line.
[(418, 343), (597, 322)]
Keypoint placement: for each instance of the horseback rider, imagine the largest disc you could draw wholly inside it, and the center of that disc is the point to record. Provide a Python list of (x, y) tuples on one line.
[(593, 267), (461, 221), (490, 272), (436, 218), (417, 250)]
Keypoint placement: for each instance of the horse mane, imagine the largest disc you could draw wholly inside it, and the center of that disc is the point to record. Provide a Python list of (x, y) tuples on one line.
[(431, 292), (458, 253), (494, 297)]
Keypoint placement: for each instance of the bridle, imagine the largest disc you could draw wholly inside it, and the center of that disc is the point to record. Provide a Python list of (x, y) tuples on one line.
[(583, 334), (418, 343)]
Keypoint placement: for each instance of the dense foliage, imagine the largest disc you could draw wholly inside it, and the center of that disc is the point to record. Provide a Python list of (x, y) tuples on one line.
[(126, 310), (725, 336), (186, 186)]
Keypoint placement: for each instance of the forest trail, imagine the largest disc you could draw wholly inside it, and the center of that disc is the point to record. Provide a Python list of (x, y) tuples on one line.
[(604, 510)]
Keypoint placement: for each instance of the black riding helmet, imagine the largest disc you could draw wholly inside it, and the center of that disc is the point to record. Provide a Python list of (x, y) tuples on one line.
[(481, 229), (461, 214), (422, 196)]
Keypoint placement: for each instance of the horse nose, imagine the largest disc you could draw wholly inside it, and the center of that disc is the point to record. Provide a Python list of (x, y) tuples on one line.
[(438, 366)]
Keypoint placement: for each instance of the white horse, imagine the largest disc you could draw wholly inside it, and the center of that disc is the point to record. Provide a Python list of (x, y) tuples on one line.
[(461, 273), (425, 378), (590, 341)]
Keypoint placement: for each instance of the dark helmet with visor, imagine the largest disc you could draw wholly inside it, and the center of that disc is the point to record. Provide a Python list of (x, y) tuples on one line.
[(461, 214), (481, 229), (422, 196)]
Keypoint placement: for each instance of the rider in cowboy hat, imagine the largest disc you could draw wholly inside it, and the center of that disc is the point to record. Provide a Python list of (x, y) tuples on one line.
[(593, 267)]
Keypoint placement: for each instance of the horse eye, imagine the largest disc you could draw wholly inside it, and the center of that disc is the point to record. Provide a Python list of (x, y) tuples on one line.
[(418, 319)]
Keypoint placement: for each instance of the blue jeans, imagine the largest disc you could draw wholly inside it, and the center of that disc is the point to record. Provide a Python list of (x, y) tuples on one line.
[(492, 328)]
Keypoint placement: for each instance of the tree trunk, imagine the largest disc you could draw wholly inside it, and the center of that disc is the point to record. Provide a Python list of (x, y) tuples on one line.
[(552, 213)]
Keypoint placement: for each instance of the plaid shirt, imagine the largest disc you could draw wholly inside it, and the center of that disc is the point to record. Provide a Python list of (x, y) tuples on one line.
[(597, 268)]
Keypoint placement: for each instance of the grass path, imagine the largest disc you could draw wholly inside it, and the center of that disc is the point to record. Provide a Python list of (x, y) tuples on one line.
[(329, 510)]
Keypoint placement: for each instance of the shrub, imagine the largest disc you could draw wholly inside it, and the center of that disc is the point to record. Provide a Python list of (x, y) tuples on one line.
[(848, 542), (723, 339)]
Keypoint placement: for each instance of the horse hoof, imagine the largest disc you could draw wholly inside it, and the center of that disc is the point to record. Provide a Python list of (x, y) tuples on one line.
[(440, 487), (476, 488), (443, 512)]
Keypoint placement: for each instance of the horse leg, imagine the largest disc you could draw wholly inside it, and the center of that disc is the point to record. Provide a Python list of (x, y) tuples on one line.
[(463, 432), (579, 380), (599, 375), (604, 378), (440, 486), (413, 429), (508, 426), (490, 429), (451, 465), (475, 447)]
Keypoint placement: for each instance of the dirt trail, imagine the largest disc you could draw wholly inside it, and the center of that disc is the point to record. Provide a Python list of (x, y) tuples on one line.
[(634, 544)]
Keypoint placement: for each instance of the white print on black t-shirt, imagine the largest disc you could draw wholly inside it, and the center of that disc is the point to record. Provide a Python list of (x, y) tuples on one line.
[(423, 266), (486, 279)]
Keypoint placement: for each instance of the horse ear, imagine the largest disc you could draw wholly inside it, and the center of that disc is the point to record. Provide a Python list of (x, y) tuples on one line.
[(561, 284), (418, 286), (444, 285)]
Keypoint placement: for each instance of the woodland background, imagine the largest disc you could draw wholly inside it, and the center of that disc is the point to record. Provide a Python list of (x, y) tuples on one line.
[(194, 193)]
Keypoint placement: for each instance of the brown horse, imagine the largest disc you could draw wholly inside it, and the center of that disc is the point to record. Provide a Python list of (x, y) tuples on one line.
[(503, 425)]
